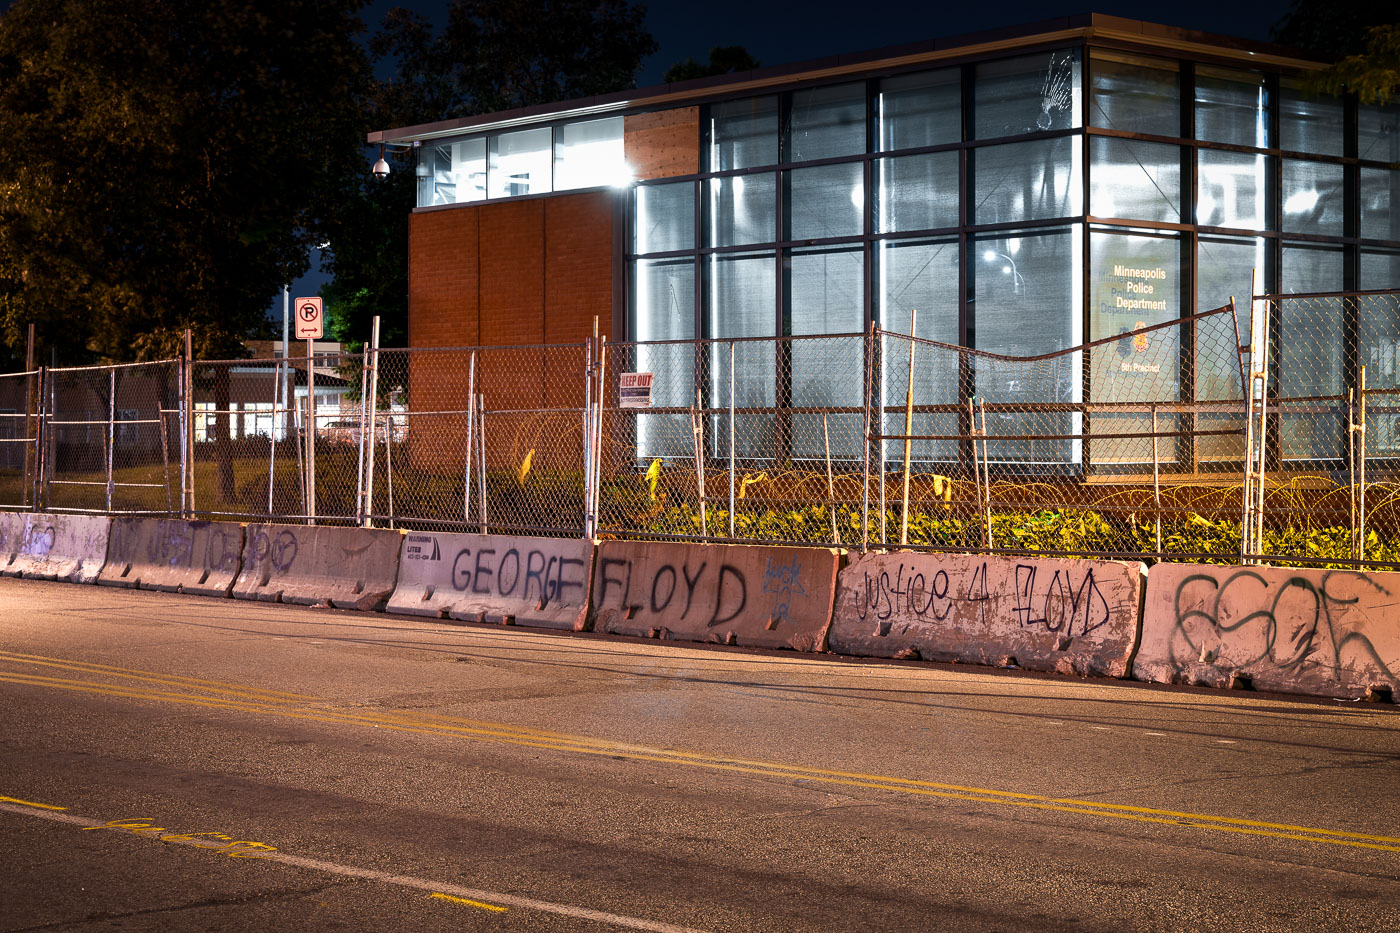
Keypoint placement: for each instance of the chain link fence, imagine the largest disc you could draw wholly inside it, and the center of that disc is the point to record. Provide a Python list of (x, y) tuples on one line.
[(482, 439), (1269, 431)]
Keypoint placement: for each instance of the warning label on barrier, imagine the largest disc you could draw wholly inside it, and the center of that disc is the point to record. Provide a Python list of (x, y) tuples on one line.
[(634, 390), (422, 547)]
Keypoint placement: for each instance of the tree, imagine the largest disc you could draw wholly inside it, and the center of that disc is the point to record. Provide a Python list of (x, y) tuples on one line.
[(1330, 29), (1372, 75), (164, 165), (724, 59), (492, 55)]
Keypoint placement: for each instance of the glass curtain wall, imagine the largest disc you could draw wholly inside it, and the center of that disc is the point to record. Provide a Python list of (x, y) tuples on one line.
[(1021, 206)]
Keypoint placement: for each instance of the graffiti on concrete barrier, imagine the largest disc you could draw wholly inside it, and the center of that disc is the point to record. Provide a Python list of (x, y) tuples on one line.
[(782, 580), (1296, 624), (38, 541), (1063, 604), (1036, 597), (673, 587), (174, 543), (279, 550), (518, 573)]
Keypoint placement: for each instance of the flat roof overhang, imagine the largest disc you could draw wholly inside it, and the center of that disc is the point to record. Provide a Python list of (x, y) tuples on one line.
[(1148, 37)]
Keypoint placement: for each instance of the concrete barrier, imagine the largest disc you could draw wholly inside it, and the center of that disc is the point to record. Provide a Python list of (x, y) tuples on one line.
[(173, 555), (347, 568), (770, 597), (491, 578), (1332, 633), (56, 547), (11, 535), (1047, 614)]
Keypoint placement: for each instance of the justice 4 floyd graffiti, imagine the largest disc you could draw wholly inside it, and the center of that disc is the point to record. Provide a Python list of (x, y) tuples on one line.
[(931, 590), (1290, 626)]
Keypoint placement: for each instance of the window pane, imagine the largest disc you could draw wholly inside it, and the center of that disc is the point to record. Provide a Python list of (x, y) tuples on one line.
[(1232, 107), (1380, 268), (1309, 123), (664, 299), (1311, 355), (1311, 269), (1030, 94), (1028, 298), (589, 154), (1135, 283), (665, 218), (743, 209), (1135, 94), (826, 296), (743, 133), (1026, 181), (1313, 201), (825, 201), (921, 275), (1380, 189), (922, 109), (1231, 189), (1379, 320), (1379, 133), (826, 122), (520, 163), (918, 192), (742, 304), (1223, 269), (664, 309), (452, 173), (1135, 180)]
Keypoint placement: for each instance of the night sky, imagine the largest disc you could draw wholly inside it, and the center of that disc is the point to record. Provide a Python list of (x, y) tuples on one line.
[(781, 33)]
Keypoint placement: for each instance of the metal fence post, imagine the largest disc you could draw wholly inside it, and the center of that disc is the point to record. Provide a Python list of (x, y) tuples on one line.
[(471, 438), (908, 431), (41, 437), (587, 447), (111, 430), (733, 473), (372, 402), (187, 428)]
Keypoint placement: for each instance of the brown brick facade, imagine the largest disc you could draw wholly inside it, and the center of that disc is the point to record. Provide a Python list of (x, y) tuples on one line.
[(514, 273)]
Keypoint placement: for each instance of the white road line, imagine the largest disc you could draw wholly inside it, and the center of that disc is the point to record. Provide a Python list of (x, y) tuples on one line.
[(407, 881)]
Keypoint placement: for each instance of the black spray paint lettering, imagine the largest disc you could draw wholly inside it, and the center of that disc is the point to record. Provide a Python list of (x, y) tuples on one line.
[(549, 577), (667, 582), (1063, 602), (1313, 640), (920, 596)]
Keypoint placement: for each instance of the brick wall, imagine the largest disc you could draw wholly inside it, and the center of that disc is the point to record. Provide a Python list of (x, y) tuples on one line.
[(504, 274)]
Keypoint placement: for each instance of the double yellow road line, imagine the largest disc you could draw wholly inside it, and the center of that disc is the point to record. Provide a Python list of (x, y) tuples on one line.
[(166, 688)]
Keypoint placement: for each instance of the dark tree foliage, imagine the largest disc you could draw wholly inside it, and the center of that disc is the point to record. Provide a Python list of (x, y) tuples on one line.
[(501, 54), (492, 55), (724, 59), (164, 164), (1331, 29)]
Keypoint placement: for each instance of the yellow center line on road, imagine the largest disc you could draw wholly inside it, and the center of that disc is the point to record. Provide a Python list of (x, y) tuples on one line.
[(438, 895), (529, 738), (86, 667), (30, 803)]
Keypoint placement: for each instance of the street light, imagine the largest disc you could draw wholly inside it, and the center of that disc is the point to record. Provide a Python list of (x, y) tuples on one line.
[(1017, 282)]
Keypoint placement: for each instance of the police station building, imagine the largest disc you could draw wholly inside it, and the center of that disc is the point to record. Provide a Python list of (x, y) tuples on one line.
[(1026, 190)]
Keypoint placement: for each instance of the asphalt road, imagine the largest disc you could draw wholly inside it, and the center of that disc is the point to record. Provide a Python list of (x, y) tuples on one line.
[(178, 763)]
